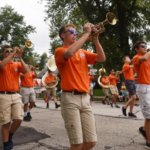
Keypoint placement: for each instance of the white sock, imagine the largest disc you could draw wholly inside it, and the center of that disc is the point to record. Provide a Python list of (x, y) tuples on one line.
[(25, 114), (28, 110)]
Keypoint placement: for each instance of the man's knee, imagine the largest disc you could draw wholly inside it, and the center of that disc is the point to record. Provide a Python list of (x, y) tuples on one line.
[(17, 121), (76, 146), (91, 144)]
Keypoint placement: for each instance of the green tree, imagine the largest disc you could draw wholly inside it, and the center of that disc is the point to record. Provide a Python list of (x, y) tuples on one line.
[(43, 60), (13, 30), (133, 24)]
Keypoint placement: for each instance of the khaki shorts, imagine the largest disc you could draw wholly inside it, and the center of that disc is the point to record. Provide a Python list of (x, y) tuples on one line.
[(114, 89), (143, 92), (51, 92), (11, 107), (105, 91), (78, 118), (28, 95)]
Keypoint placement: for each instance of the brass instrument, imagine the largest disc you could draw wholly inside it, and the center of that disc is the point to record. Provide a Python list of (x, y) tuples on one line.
[(36, 67), (50, 66), (102, 70), (28, 44), (110, 19), (118, 73)]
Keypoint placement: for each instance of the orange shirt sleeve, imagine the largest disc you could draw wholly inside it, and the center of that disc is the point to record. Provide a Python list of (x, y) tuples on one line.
[(136, 60), (90, 57), (126, 67)]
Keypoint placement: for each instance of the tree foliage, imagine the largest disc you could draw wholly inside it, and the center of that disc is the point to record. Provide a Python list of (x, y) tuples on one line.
[(133, 24)]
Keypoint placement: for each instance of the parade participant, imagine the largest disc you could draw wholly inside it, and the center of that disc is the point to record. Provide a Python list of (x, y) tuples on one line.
[(113, 87), (50, 78), (10, 101), (129, 82), (141, 63), (105, 82), (72, 63), (27, 91), (36, 88)]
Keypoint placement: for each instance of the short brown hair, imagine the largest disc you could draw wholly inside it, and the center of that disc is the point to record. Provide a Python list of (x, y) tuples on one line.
[(124, 58), (5, 46), (137, 44), (63, 29)]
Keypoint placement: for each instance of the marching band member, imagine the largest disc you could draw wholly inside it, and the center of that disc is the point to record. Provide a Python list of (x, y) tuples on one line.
[(105, 82), (129, 82), (113, 87), (11, 107), (50, 78), (72, 63), (27, 91), (141, 63)]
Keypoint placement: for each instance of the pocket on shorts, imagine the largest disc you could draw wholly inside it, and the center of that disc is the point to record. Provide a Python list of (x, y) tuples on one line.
[(71, 131), (142, 89)]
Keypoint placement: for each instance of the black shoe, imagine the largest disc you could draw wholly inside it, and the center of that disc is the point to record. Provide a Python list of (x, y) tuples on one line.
[(124, 111), (143, 133), (136, 104), (34, 105), (117, 106), (47, 106), (111, 105), (7, 148), (26, 118), (56, 105), (132, 115), (10, 142), (103, 102), (29, 116), (108, 103), (147, 146)]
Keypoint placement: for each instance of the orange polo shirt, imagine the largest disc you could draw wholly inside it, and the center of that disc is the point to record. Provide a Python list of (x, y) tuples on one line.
[(74, 70), (35, 83), (49, 78), (105, 79), (9, 76), (127, 72), (113, 81), (27, 79), (142, 69)]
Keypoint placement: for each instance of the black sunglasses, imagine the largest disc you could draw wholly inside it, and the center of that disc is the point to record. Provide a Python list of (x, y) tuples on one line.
[(143, 46)]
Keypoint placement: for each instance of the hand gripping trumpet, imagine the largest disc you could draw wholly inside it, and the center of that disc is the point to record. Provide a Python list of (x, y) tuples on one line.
[(110, 19), (28, 44)]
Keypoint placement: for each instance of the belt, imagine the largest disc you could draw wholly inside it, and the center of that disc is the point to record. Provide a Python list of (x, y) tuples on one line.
[(5, 92), (75, 92)]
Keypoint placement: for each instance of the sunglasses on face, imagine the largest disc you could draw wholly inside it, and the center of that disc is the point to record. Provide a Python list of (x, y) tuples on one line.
[(8, 51), (143, 46), (72, 31)]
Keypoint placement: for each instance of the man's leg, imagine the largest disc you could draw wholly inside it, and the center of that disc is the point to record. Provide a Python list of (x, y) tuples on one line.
[(76, 147), (5, 132), (88, 145), (55, 101), (147, 127), (26, 118), (131, 103)]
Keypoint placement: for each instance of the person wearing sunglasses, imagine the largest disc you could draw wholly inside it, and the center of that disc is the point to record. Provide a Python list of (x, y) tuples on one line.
[(10, 101), (141, 63), (72, 63)]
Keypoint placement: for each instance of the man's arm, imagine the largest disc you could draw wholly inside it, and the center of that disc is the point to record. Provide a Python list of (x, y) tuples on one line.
[(144, 57), (7, 59), (24, 66), (78, 44)]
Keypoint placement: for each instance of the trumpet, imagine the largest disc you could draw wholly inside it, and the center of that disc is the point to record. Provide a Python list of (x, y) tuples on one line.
[(36, 67), (110, 19), (118, 72), (28, 44)]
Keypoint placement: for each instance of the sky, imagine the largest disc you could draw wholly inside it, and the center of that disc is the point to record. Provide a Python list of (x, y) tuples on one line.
[(33, 13)]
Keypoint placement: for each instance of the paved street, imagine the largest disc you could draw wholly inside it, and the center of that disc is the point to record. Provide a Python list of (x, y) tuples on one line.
[(115, 132)]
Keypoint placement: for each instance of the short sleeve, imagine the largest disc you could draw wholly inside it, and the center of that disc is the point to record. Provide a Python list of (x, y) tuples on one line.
[(136, 60), (19, 66), (33, 75), (90, 57), (126, 67), (59, 55)]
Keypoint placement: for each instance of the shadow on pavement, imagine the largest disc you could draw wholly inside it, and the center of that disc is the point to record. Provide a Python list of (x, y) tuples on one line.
[(25, 135)]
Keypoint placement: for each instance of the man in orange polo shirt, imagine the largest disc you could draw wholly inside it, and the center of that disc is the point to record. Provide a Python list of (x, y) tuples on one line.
[(129, 82), (105, 82), (10, 101), (72, 63), (50, 78), (27, 91), (141, 63), (113, 87)]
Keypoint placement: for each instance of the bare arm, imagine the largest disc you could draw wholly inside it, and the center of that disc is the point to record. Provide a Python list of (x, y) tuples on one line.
[(7, 59), (145, 57), (70, 52)]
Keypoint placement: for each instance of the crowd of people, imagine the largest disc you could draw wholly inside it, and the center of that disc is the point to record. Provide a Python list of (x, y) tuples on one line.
[(72, 64)]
